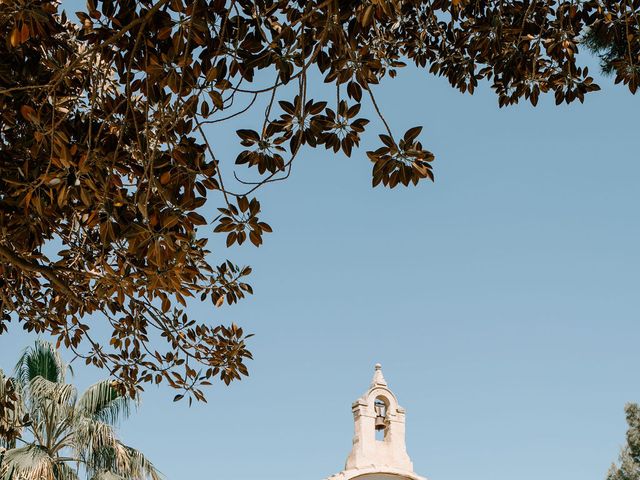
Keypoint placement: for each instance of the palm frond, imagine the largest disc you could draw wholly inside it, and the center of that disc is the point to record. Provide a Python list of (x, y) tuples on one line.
[(103, 402), (27, 463), (607, 45), (112, 458), (50, 406), (44, 390), (40, 360), (140, 468), (107, 459), (92, 441), (125, 462), (106, 475), (64, 472)]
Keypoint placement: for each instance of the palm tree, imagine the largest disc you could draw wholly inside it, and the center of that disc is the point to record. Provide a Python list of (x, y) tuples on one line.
[(68, 435)]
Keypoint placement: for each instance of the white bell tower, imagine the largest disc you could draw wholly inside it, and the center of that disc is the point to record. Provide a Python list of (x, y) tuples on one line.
[(379, 451)]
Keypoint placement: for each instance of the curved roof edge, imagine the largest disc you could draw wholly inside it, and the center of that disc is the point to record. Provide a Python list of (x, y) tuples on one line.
[(358, 472)]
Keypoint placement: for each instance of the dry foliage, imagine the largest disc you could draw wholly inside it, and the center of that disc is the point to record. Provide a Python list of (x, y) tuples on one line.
[(105, 157), (12, 418)]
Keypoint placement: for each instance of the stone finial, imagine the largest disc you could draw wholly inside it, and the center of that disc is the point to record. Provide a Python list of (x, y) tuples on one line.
[(378, 378)]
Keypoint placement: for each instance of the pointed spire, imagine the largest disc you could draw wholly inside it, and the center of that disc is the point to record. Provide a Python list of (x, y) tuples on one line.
[(378, 378)]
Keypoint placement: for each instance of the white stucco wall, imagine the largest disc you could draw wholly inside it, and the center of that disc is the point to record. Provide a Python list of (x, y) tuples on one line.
[(381, 476)]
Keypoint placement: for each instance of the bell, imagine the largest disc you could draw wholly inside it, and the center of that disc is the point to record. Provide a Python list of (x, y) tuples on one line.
[(380, 423), (381, 413)]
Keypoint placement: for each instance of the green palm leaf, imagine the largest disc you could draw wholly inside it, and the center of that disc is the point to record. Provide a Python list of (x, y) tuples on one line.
[(40, 360), (103, 402)]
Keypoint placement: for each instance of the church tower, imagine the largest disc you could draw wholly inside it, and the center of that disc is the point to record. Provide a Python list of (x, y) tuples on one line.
[(379, 451)]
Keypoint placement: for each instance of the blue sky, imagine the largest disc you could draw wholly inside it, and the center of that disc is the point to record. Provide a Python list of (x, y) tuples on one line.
[(502, 301)]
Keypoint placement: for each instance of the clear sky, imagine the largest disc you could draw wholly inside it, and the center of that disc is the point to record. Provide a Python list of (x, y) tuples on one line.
[(502, 301)]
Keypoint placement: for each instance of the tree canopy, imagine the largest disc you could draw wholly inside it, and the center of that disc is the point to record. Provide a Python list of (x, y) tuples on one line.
[(109, 169), (629, 465)]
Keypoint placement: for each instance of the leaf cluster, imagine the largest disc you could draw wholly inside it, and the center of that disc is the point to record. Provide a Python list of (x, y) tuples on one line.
[(629, 466), (109, 144)]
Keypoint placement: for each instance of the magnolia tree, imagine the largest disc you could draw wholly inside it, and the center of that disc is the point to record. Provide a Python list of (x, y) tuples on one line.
[(109, 170)]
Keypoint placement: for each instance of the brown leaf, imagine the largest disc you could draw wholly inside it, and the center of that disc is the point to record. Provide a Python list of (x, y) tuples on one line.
[(196, 218), (165, 178), (24, 33), (216, 98), (15, 37), (412, 134), (27, 112)]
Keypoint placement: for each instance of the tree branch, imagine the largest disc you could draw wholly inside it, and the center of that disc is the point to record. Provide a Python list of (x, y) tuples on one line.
[(47, 272)]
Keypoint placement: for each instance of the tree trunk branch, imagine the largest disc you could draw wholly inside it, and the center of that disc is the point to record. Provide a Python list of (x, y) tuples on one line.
[(45, 271)]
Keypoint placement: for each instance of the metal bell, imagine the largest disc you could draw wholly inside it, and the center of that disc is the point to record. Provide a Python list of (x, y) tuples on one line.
[(381, 415)]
